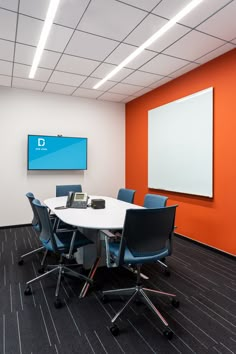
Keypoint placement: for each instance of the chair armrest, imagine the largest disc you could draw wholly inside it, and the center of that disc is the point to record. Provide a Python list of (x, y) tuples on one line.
[(65, 230), (109, 237), (108, 233)]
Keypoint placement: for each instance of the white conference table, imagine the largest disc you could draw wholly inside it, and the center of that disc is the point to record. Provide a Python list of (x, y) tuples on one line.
[(111, 217), (91, 221)]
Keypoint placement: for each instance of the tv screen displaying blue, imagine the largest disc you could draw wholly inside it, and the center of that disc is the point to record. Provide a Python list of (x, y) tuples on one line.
[(56, 153)]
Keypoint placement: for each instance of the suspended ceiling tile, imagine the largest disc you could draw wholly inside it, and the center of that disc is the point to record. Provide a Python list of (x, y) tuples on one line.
[(161, 82), (185, 50), (105, 69), (57, 39), (24, 54), (28, 84), (49, 59), (183, 70), (143, 91), (163, 65), (7, 24), (37, 9), (143, 4), (5, 80), (128, 99), (77, 65), (146, 29), (83, 92), (25, 34), (169, 8), (126, 89), (170, 37), (90, 46), (215, 53), (62, 89), (70, 12), (141, 78), (5, 68), (9, 4), (213, 24), (123, 51), (90, 82), (114, 97), (23, 71), (66, 78), (6, 50), (110, 18)]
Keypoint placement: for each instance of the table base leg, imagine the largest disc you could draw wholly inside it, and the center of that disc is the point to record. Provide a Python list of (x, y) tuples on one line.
[(90, 276)]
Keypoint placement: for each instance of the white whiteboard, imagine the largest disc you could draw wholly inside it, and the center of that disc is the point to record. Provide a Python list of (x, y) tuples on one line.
[(180, 145)]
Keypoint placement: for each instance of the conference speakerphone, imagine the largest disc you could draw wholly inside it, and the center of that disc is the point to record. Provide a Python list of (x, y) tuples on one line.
[(97, 203)]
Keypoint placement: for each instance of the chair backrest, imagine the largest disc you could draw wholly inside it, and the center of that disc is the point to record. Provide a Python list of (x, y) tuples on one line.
[(46, 233), (126, 195), (147, 232), (63, 190), (154, 201), (35, 220)]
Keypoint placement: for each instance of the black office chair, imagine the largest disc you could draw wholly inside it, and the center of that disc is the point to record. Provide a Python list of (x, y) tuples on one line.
[(126, 195), (63, 190), (63, 243), (145, 238), (37, 228), (158, 201)]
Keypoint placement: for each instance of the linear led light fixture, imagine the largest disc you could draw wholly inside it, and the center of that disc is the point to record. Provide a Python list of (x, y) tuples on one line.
[(152, 39), (52, 9)]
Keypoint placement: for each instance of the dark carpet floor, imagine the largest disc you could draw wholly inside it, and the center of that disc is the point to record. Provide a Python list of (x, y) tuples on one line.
[(205, 322)]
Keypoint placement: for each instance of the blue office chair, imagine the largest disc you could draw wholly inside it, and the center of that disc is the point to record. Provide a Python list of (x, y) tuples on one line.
[(154, 201), (145, 238), (63, 190), (126, 195), (158, 201), (37, 228), (63, 243)]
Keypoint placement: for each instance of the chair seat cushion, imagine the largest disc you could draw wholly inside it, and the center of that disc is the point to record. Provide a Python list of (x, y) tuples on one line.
[(130, 259), (63, 240)]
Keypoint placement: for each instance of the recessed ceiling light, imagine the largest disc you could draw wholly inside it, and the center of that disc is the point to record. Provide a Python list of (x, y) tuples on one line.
[(152, 39), (52, 9)]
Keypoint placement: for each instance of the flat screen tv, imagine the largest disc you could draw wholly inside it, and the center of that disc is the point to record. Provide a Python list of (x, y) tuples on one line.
[(56, 153)]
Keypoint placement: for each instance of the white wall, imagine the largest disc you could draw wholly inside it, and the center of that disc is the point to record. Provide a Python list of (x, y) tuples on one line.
[(27, 112)]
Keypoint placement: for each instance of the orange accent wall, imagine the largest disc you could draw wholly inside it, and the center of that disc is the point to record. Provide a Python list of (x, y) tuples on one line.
[(210, 221)]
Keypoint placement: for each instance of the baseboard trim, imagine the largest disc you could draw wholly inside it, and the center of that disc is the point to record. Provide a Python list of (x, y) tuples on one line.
[(216, 250), (14, 226)]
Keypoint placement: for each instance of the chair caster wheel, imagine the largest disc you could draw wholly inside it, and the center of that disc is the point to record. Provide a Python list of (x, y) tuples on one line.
[(114, 330), (175, 303), (28, 291), (168, 333), (21, 262), (57, 304), (41, 270)]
